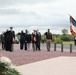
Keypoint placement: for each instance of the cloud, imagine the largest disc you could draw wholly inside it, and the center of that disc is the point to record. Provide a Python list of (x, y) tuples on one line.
[(38, 14), (9, 11), (4, 2)]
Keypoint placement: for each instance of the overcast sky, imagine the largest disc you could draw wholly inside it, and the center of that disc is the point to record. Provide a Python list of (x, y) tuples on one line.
[(36, 14)]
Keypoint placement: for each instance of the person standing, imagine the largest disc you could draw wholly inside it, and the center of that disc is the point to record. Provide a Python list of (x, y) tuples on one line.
[(75, 40), (8, 40), (28, 40), (13, 37), (48, 39), (22, 40), (2, 41), (34, 40), (38, 37)]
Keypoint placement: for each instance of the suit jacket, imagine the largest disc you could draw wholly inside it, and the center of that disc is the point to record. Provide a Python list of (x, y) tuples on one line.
[(38, 36)]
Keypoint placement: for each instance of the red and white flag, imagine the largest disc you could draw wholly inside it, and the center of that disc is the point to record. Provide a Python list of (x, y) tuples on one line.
[(72, 26)]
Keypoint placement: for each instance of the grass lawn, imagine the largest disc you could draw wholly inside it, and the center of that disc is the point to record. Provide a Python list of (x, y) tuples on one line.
[(68, 43)]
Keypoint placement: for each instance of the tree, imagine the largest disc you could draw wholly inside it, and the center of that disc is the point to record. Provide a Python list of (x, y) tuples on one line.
[(64, 31)]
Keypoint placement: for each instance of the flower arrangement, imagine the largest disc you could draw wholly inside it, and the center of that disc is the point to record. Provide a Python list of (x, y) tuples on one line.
[(6, 67)]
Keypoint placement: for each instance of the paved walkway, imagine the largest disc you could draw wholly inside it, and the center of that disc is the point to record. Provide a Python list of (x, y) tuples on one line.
[(43, 62), (54, 66)]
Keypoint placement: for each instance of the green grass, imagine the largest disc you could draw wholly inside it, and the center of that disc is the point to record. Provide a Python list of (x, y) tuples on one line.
[(68, 43)]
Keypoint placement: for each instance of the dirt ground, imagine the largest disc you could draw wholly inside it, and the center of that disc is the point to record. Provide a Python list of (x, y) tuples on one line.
[(20, 57)]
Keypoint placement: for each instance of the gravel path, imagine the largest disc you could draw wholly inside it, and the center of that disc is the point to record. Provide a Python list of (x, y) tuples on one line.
[(20, 57)]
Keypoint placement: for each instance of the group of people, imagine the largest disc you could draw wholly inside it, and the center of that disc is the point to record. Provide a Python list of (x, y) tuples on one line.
[(26, 39), (8, 37), (35, 39)]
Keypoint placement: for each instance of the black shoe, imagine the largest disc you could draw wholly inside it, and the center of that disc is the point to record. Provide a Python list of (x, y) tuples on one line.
[(34, 50), (48, 50), (25, 49), (39, 49)]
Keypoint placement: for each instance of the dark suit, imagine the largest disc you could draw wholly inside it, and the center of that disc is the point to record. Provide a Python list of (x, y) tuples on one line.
[(38, 37), (28, 40), (8, 40), (75, 40), (22, 40)]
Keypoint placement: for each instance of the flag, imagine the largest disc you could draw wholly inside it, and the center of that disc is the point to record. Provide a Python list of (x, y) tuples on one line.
[(72, 26)]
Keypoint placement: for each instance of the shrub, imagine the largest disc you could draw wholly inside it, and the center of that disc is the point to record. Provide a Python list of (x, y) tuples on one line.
[(66, 38), (58, 41)]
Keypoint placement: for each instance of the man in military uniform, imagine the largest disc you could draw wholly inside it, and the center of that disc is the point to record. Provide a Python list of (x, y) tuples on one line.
[(13, 37), (9, 35)]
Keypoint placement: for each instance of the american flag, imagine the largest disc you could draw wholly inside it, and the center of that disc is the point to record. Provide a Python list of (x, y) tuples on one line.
[(72, 26)]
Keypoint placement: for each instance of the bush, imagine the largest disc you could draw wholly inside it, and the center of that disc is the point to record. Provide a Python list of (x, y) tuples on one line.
[(58, 41), (66, 38)]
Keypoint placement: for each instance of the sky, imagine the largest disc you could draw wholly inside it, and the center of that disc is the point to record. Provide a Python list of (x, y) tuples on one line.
[(36, 14)]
